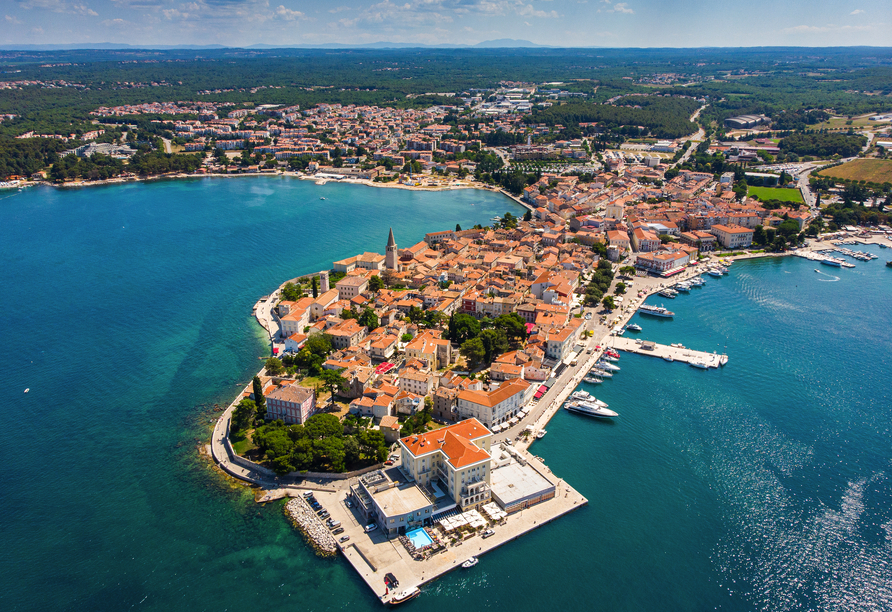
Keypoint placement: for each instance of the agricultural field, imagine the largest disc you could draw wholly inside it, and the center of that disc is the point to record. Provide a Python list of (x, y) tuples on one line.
[(775, 193), (870, 170), (842, 123)]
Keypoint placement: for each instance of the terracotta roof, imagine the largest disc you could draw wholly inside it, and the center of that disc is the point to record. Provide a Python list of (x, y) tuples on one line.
[(453, 447)]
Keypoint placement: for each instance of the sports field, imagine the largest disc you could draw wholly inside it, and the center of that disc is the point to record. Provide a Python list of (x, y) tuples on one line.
[(775, 193), (870, 170)]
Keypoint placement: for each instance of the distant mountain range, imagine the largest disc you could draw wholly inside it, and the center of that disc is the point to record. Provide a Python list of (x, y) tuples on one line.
[(502, 43)]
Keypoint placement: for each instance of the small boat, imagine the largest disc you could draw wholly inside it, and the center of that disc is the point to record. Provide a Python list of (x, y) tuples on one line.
[(889, 264), (470, 563), (600, 373), (699, 364), (723, 360), (541, 434), (28, 389), (830, 261), (634, 327), (581, 395), (606, 365), (714, 273), (610, 357), (668, 358), (404, 596), (668, 293), (321, 198), (816, 270), (592, 380)]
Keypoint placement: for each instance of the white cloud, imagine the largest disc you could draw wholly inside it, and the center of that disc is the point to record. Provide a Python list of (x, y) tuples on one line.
[(856, 12), (807, 29), (37, 30), (58, 6), (622, 7), (339, 9), (12, 19), (287, 14)]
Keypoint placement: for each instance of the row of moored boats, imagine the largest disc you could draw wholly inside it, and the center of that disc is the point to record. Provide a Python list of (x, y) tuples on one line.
[(583, 402)]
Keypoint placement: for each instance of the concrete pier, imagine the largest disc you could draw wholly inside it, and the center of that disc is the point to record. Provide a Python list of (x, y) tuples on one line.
[(676, 353)]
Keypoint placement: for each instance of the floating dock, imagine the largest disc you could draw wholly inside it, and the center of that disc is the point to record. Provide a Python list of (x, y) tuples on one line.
[(673, 353)]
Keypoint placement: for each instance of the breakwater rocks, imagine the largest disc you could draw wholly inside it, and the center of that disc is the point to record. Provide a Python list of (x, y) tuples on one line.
[(312, 527)]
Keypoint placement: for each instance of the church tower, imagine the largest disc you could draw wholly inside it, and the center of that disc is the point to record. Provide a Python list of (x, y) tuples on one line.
[(391, 258)]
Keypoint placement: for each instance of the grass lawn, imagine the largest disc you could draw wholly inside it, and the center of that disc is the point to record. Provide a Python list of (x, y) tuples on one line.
[(242, 442), (775, 193), (870, 170)]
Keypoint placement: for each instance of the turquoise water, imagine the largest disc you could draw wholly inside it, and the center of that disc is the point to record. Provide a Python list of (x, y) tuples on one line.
[(419, 538), (125, 309)]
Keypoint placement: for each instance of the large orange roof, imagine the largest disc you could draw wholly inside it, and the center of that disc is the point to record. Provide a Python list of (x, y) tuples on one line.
[(454, 441)]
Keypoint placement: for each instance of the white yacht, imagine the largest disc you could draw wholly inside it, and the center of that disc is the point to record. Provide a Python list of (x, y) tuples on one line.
[(600, 373), (581, 396), (634, 327), (592, 380), (657, 311), (699, 364), (591, 409), (606, 365), (470, 563)]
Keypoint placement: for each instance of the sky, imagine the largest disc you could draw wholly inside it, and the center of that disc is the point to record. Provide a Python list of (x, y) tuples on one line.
[(566, 23)]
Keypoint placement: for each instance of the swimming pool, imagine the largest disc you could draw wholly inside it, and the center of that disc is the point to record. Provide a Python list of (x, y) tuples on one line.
[(419, 538)]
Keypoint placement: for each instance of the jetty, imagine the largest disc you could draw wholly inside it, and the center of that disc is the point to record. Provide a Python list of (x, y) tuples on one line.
[(673, 353)]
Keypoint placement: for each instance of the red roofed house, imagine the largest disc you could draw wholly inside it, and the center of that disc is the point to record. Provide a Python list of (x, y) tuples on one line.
[(457, 456), (496, 406)]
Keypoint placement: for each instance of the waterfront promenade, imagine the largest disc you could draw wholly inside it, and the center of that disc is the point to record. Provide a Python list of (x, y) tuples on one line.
[(669, 353)]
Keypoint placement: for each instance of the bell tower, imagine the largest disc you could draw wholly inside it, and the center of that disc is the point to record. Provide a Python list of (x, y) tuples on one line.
[(391, 258)]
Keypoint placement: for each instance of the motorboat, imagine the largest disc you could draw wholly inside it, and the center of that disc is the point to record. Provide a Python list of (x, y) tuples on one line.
[(601, 373), (581, 395), (592, 380), (609, 357), (668, 358), (683, 287), (668, 293), (830, 261), (612, 353), (714, 272), (541, 434), (634, 327), (590, 409), (404, 596), (699, 364), (606, 365), (697, 282), (656, 311), (470, 563)]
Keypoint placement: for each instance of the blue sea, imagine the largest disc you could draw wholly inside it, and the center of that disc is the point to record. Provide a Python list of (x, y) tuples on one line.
[(126, 311)]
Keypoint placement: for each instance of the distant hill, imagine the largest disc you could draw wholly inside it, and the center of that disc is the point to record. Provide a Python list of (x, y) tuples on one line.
[(502, 43)]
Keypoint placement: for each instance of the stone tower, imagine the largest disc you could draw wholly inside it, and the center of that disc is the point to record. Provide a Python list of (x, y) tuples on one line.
[(391, 258), (323, 282)]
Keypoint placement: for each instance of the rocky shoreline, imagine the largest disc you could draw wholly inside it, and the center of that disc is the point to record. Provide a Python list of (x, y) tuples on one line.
[(311, 526)]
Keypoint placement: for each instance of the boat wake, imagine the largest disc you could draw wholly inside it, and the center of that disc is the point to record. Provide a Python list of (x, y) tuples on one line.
[(831, 279)]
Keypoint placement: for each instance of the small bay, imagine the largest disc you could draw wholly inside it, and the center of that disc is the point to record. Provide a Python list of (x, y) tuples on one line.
[(126, 311)]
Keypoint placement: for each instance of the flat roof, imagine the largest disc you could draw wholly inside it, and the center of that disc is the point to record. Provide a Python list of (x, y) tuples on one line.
[(401, 500), (514, 482)]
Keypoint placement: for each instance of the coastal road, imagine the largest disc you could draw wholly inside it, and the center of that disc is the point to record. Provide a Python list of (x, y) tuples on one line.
[(166, 145)]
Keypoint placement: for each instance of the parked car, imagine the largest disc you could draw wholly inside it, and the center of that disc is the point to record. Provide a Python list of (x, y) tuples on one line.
[(334, 524), (388, 462), (308, 494), (348, 503), (488, 532), (340, 530), (370, 528), (344, 539), (324, 514)]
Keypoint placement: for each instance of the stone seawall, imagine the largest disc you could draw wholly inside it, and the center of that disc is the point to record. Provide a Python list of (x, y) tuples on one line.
[(312, 527)]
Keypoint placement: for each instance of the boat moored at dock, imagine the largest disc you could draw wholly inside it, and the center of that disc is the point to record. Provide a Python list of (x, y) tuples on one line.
[(591, 409), (656, 311), (404, 596)]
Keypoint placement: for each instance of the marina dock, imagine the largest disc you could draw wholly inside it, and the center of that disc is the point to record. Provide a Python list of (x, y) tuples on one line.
[(673, 353)]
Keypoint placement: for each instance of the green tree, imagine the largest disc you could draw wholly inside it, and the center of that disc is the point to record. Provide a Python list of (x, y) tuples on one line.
[(416, 315), (627, 270), (779, 244), (291, 292), (405, 338), (495, 342), (334, 382), (608, 302), (457, 227), (319, 344), (274, 366), (352, 450), (315, 287), (513, 325), (321, 426), (375, 283), (259, 400), (528, 216), (368, 318), (243, 415), (620, 288), (474, 351), (463, 327), (759, 237)]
